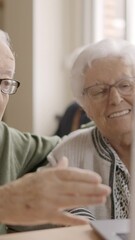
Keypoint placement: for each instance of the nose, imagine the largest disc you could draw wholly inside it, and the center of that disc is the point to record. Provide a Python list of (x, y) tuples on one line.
[(115, 97)]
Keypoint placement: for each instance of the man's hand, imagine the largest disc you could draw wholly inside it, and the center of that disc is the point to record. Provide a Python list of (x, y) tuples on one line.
[(41, 197)]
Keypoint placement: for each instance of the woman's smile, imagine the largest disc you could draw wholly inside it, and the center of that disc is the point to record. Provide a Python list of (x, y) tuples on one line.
[(119, 113)]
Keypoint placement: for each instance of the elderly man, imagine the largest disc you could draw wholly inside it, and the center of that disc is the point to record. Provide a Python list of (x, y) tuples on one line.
[(39, 197), (103, 82)]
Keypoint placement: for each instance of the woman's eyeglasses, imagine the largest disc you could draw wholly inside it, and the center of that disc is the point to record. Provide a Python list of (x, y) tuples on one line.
[(100, 91)]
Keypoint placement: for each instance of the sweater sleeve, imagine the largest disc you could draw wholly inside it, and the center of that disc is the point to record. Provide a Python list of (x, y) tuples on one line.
[(84, 212), (22, 152)]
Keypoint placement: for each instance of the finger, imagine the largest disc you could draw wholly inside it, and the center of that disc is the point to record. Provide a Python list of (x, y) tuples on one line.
[(68, 219), (63, 162), (93, 201), (79, 175), (87, 189)]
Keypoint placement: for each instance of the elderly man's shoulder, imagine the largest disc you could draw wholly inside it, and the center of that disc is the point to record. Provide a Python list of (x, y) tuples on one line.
[(3, 127), (2, 124)]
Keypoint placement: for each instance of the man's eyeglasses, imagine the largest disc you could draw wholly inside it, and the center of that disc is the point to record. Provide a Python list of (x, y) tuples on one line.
[(9, 86), (100, 91)]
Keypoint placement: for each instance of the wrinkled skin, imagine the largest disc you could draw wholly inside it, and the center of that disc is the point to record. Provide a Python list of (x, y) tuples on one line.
[(40, 197)]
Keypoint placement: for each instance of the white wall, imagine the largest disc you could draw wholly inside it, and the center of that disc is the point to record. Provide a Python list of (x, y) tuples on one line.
[(57, 26), (130, 19), (18, 23), (44, 33)]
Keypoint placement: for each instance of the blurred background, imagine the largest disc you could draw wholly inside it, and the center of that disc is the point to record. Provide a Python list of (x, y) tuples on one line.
[(44, 34)]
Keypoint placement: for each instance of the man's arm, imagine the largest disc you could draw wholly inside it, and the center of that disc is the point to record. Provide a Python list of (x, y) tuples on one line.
[(23, 152)]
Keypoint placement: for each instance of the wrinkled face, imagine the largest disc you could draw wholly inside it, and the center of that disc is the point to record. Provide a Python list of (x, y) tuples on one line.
[(113, 112), (7, 67)]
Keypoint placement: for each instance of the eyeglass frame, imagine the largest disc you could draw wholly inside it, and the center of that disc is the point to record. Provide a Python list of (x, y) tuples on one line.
[(13, 80), (109, 86)]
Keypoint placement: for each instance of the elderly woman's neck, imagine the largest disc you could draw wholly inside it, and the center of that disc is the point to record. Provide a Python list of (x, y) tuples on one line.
[(123, 148)]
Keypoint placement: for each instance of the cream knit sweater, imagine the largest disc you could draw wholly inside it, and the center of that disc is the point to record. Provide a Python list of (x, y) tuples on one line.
[(88, 149)]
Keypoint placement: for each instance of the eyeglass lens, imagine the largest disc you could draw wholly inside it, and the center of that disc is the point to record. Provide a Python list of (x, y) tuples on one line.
[(9, 86)]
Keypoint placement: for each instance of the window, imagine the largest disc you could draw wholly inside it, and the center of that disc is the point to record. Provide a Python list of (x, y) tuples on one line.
[(114, 19), (108, 19)]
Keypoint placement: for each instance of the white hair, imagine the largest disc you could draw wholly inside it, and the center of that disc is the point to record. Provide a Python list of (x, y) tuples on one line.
[(105, 48), (4, 37)]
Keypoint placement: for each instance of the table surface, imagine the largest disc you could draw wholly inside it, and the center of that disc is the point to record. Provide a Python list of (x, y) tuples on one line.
[(67, 233)]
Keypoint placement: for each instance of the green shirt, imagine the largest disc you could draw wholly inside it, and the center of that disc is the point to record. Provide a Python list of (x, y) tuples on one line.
[(21, 153)]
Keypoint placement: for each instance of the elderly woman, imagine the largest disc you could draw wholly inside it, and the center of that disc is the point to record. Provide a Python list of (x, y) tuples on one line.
[(103, 82)]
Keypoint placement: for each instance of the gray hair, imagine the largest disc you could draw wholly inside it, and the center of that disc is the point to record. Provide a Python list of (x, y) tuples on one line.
[(105, 48), (4, 37)]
